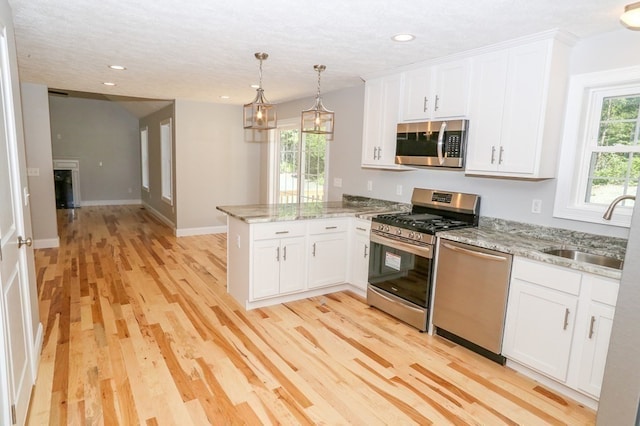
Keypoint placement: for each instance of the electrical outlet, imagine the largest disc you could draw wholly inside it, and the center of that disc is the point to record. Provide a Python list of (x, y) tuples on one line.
[(369, 185), (398, 189), (536, 206), (337, 182)]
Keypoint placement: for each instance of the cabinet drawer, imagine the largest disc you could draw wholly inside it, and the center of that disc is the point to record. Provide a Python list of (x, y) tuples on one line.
[(604, 290), (328, 226), (361, 227), (264, 231), (547, 275)]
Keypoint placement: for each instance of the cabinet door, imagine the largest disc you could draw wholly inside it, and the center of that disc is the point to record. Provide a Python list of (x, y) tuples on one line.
[(489, 76), (292, 265), (527, 79), (373, 98), (539, 328), (451, 94), (266, 268), (596, 346), (382, 101), (360, 261), (328, 259), (417, 103)]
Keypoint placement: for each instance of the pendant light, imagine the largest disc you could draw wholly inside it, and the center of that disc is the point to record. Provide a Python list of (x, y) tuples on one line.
[(318, 120), (631, 16), (260, 114)]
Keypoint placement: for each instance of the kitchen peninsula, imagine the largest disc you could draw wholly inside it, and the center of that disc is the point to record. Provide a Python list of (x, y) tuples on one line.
[(280, 253)]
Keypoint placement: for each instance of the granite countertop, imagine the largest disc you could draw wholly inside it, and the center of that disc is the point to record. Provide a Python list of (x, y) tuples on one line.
[(529, 241), (350, 206)]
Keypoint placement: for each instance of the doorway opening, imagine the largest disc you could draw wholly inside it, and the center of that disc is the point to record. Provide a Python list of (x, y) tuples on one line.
[(66, 178)]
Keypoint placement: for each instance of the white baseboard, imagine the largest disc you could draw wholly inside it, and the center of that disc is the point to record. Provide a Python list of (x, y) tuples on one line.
[(206, 230), (46, 243), (160, 216), (109, 203)]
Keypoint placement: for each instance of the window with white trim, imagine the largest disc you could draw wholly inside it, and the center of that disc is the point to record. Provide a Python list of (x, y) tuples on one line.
[(144, 157), (298, 166), (600, 157), (166, 160)]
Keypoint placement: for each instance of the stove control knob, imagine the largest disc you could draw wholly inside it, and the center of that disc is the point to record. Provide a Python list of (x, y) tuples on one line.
[(386, 228), (412, 235), (418, 236), (380, 227), (398, 231)]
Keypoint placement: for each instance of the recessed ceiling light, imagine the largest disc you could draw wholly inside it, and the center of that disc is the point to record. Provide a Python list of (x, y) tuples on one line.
[(117, 67), (224, 97), (108, 83), (403, 37), (255, 86)]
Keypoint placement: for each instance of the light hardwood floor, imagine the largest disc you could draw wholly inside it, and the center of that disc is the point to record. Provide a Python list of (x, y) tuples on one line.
[(140, 330)]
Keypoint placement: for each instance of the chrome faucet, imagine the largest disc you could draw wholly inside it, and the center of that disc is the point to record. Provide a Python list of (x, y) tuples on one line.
[(614, 203)]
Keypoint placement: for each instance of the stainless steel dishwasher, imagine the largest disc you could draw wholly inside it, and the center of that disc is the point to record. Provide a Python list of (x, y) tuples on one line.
[(470, 299)]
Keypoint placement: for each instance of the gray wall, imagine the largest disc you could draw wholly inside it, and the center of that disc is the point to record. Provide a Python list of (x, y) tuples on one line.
[(153, 198), (94, 132), (214, 165), (37, 134)]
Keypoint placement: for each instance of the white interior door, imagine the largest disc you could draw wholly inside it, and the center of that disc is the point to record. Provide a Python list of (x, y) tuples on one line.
[(15, 373)]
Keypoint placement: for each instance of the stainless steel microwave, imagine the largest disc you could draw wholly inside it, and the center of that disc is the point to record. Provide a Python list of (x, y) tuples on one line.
[(432, 143)]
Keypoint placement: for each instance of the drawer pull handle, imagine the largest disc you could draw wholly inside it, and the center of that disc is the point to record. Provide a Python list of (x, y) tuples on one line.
[(493, 154), (330, 227), (282, 232), (366, 251), (284, 253), (314, 250), (360, 229), (566, 318), (278, 254), (593, 321)]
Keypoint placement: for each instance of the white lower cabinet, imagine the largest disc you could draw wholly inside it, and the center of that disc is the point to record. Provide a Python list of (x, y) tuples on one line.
[(558, 323), (328, 251), (360, 249), (278, 267), (276, 262)]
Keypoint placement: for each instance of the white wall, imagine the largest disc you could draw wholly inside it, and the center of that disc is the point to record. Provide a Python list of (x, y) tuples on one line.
[(37, 134), (214, 165), (96, 131)]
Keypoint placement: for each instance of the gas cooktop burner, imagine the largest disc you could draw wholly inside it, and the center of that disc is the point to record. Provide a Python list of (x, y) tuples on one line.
[(422, 222)]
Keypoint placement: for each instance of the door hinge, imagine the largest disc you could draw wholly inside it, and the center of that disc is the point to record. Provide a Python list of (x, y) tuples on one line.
[(14, 420)]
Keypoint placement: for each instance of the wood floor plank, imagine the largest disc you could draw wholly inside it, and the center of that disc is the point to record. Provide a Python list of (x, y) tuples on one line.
[(139, 329)]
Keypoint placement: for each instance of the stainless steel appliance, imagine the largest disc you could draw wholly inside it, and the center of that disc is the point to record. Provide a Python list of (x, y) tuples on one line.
[(470, 299), (432, 143), (402, 251)]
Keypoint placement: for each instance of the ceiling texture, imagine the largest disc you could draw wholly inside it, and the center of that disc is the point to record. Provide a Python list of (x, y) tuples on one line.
[(204, 49)]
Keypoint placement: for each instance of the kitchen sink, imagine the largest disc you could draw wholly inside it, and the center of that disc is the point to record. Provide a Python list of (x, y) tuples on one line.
[(580, 256)]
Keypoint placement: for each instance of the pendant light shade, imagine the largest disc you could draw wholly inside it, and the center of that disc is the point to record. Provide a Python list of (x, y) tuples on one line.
[(318, 120), (631, 16), (260, 114)]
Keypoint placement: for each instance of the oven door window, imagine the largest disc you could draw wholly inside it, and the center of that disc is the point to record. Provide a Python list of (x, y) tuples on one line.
[(403, 274)]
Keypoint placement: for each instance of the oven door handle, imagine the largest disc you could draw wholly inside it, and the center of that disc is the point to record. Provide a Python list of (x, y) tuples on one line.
[(475, 253), (397, 300), (423, 251)]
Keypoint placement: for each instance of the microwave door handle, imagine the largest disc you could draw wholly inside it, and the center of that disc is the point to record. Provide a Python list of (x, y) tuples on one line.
[(441, 142)]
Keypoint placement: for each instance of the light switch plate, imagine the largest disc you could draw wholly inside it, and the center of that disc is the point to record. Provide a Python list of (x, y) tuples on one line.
[(337, 182), (369, 185)]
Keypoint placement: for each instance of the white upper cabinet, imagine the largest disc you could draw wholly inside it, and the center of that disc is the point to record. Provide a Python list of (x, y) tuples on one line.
[(381, 105), (516, 110), (439, 91)]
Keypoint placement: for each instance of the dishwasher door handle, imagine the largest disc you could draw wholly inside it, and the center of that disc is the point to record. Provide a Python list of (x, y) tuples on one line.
[(475, 253)]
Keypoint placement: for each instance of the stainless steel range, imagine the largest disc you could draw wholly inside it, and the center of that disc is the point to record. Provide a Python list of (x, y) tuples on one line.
[(402, 249)]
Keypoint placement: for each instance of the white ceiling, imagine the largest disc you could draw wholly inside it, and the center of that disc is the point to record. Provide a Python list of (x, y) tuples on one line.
[(203, 49)]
